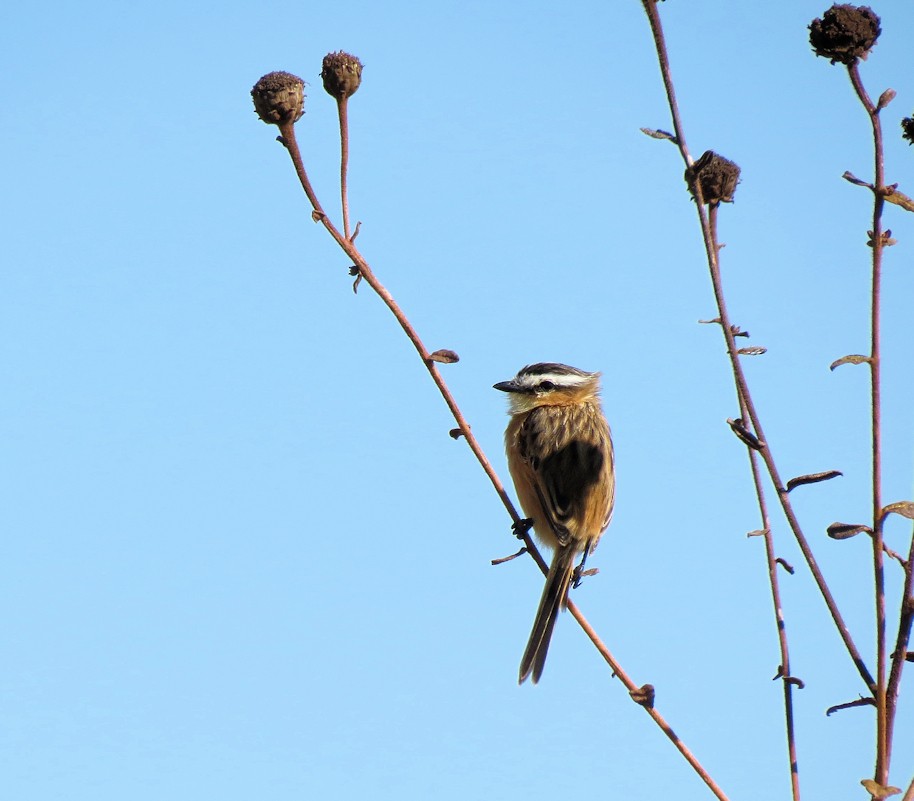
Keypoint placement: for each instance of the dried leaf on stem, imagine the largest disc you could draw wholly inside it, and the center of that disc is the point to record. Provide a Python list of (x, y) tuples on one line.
[(812, 478)]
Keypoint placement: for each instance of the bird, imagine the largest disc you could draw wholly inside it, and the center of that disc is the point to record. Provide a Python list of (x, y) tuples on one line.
[(560, 455)]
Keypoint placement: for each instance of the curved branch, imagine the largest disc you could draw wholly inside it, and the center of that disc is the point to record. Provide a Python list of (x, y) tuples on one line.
[(287, 137), (712, 253)]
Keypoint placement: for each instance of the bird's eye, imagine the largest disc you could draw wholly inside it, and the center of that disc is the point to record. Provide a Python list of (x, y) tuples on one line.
[(547, 386)]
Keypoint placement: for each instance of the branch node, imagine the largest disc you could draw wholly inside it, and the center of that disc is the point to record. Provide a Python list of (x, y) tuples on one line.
[(734, 329), (644, 695), (883, 240)]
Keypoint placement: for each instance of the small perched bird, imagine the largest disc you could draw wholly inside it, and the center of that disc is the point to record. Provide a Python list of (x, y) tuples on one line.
[(560, 454)]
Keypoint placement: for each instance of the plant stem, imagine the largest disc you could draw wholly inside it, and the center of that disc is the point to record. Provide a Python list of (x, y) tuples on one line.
[(883, 736), (666, 74), (342, 106), (287, 136), (712, 253), (771, 560), (287, 133), (905, 619), (781, 628), (655, 715)]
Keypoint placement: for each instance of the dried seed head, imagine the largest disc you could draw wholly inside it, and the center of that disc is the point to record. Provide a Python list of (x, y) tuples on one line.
[(717, 176), (845, 33), (907, 130), (342, 74), (279, 97)]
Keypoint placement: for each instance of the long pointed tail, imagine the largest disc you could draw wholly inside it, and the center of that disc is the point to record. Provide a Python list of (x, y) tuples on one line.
[(554, 593)]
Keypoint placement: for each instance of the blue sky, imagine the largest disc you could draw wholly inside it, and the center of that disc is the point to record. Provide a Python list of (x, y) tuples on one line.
[(241, 556)]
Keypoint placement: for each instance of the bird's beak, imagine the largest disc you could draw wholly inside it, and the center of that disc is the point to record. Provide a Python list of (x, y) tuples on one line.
[(506, 386)]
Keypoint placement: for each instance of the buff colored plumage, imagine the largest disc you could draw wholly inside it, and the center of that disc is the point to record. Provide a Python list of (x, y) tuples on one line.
[(560, 455)]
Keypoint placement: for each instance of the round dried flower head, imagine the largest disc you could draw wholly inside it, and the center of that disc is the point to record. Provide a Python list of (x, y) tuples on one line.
[(342, 74), (716, 175), (907, 129), (845, 33), (279, 97)]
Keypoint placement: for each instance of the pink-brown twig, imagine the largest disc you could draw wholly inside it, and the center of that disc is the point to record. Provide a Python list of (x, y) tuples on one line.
[(288, 139), (883, 736), (712, 249), (342, 105)]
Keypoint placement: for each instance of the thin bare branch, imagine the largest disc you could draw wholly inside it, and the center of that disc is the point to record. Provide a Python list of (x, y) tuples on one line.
[(637, 694), (780, 625), (342, 105), (883, 735), (521, 525), (287, 132), (905, 619), (653, 18), (712, 251)]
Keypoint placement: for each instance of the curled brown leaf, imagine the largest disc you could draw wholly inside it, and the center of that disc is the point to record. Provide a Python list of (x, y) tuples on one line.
[(812, 478), (844, 531), (854, 358), (903, 508), (444, 356)]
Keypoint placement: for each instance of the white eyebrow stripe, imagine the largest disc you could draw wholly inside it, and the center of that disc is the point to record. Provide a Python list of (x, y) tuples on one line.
[(559, 379)]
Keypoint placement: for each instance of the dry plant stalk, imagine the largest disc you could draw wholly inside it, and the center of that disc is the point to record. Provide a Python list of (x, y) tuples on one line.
[(845, 34), (279, 100), (712, 180)]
